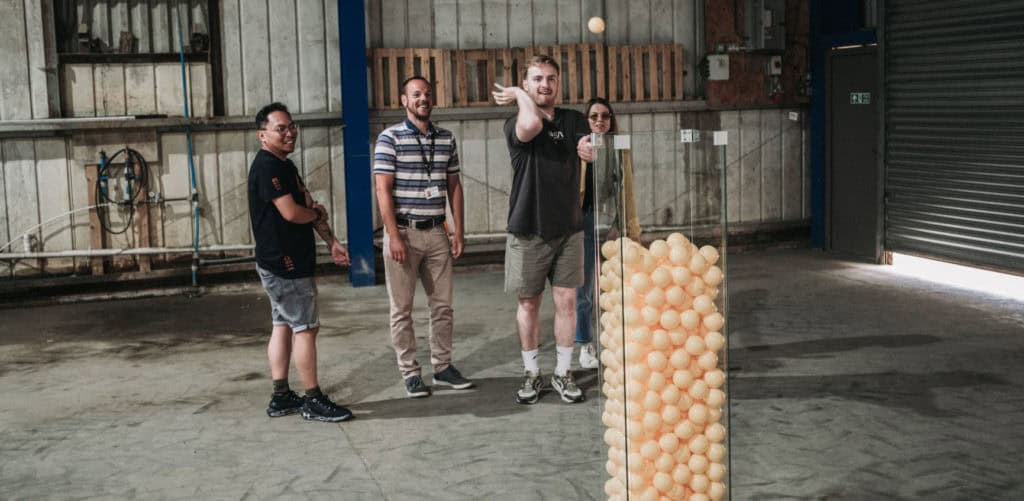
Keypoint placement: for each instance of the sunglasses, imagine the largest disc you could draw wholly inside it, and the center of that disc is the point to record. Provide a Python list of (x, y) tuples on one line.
[(600, 116)]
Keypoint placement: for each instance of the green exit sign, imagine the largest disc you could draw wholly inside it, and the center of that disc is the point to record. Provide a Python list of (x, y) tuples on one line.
[(860, 98)]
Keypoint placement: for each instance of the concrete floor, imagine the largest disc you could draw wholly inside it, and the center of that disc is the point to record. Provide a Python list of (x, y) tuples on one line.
[(848, 382)]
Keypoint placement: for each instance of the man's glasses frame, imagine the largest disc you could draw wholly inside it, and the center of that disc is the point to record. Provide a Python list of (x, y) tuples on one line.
[(282, 129)]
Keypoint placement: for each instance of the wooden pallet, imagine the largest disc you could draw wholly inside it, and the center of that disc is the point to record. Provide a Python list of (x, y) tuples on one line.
[(465, 78)]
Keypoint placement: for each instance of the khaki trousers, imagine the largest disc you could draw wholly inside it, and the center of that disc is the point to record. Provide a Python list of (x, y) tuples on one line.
[(428, 259)]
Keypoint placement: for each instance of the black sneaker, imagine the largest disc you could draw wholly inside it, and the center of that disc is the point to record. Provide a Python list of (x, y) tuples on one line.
[(529, 391), (452, 377), (322, 409), (283, 404), (415, 388)]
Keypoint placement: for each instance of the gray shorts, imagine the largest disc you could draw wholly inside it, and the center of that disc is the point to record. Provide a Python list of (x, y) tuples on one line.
[(530, 260), (292, 301)]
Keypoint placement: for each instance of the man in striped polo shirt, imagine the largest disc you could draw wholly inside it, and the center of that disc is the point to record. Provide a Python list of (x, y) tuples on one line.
[(416, 168)]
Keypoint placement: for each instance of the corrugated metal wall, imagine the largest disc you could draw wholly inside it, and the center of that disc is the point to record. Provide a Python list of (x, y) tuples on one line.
[(955, 130), (43, 178)]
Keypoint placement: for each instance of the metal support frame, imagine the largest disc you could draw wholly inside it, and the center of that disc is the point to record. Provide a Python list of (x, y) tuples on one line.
[(356, 116)]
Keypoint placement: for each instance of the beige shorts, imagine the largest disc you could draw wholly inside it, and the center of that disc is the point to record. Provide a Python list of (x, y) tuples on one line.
[(531, 260)]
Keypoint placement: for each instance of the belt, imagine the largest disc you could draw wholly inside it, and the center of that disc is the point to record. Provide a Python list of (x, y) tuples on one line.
[(419, 224)]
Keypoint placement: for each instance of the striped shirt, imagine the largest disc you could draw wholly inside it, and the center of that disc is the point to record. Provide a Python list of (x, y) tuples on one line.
[(405, 153)]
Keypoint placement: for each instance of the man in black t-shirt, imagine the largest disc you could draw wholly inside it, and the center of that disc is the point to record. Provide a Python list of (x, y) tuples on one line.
[(284, 216), (545, 237)]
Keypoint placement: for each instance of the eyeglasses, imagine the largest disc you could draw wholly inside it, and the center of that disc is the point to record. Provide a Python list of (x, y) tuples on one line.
[(282, 129), (600, 116)]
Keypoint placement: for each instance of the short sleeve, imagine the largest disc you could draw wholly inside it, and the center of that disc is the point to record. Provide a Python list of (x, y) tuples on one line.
[(384, 154), (274, 181), (510, 133), (453, 159)]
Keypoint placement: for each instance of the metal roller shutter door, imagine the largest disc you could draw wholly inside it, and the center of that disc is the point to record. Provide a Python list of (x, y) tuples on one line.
[(954, 126)]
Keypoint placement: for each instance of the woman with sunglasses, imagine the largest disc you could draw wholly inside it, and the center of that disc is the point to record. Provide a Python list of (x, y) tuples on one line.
[(602, 121)]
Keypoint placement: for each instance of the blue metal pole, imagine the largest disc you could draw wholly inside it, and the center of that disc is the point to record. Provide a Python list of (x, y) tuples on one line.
[(355, 109)]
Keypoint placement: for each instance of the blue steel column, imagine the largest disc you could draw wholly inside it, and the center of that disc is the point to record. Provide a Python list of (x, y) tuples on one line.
[(355, 110)]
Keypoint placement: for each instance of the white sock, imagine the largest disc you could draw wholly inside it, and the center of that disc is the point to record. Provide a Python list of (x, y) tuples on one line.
[(564, 360), (530, 361)]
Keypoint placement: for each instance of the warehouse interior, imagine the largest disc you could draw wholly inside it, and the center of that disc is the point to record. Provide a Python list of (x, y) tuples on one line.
[(824, 147)]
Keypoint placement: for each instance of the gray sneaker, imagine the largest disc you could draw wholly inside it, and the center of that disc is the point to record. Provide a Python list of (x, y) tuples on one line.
[(566, 387), (451, 376), (529, 392), (415, 388)]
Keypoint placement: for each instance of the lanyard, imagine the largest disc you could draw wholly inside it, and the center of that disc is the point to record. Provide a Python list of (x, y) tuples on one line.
[(430, 163)]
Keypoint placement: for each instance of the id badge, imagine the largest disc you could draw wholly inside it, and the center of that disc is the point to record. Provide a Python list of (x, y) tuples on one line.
[(432, 192)]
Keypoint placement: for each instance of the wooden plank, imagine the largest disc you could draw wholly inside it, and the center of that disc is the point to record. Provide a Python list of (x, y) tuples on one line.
[(678, 74), (573, 74), (233, 170), (653, 67), (601, 77), (638, 73), (312, 56), (555, 51), (588, 71), (613, 74), (377, 62), (507, 67), (520, 23), (95, 231), (255, 47), (626, 70), (410, 70), (394, 23), (492, 76), (771, 165), (110, 89), (140, 89), (284, 58), (462, 78), (391, 86), (440, 78)]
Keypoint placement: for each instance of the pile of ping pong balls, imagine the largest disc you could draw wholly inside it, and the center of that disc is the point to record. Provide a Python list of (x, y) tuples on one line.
[(661, 334)]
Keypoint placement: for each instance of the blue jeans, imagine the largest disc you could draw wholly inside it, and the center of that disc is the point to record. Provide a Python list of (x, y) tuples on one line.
[(585, 294)]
